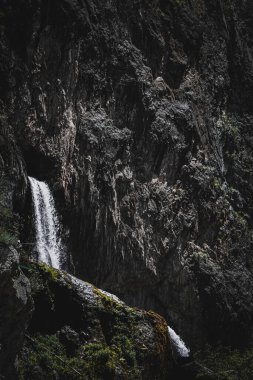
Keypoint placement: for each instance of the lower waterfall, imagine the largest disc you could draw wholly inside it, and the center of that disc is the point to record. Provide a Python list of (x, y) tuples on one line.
[(178, 343), (48, 243)]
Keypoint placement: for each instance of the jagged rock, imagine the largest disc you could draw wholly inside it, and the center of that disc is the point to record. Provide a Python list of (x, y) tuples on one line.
[(15, 310)]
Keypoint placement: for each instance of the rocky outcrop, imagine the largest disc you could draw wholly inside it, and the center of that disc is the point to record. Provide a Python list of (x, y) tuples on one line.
[(15, 293), (80, 332), (15, 310), (139, 115)]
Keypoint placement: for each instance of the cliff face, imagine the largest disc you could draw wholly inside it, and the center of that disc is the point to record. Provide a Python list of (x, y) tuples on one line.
[(139, 115)]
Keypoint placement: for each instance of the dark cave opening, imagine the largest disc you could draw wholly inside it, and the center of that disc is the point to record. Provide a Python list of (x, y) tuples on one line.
[(38, 164)]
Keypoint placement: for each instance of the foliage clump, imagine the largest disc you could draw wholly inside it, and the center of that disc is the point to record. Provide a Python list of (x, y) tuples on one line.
[(9, 221), (224, 363), (51, 272), (45, 355), (6, 238)]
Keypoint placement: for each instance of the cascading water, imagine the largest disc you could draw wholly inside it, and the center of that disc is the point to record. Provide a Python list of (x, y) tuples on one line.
[(50, 250), (179, 344), (48, 243)]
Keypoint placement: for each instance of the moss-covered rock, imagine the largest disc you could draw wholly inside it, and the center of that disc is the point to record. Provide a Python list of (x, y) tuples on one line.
[(80, 332)]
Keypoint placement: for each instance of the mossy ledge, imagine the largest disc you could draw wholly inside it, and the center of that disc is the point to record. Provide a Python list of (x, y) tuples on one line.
[(79, 332)]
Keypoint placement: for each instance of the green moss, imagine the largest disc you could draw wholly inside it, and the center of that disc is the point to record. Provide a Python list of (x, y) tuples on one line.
[(100, 360), (45, 354), (161, 331), (111, 305), (105, 361), (9, 222), (201, 255), (41, 277), (217, 183), (230, 127), (6, 238), (240, 217), (224, 363), (121, 336), (52, 273), (107, 301), (124, 348), (6, 212), (116, 350)]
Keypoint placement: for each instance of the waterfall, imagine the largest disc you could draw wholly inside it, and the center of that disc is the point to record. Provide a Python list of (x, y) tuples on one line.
[(178, 343), (48, 244)]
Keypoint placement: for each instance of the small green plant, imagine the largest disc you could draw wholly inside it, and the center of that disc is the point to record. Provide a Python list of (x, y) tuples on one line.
[(6, 238), (217, 183), (9, 222), (230, 127), (50, 271)]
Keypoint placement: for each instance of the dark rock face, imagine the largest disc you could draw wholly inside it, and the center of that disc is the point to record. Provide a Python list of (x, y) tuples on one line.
[(95, 334), (15, 310), (139, 115)]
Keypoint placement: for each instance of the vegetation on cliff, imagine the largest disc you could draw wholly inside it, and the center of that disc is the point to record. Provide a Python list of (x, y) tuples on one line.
[(79, 332)]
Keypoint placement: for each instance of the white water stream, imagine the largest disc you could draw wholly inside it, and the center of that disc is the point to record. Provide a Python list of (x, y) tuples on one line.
[(49, 247), (178, 343), (48, 243)]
